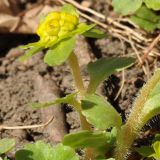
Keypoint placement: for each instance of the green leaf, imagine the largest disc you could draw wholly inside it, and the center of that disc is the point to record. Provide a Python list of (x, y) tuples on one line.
[(94, 33), (104, 67), (152, 104), (100, 113), (156, 147), (151, 108), (31, 45), (79, 30), (37, 151), (59, 53), (142, 23), (145, 151), (68, 8), (147, 14), (153, 4), (156, 138), (6, 145), (146, 19), (82, 28), (70, 99), (62, 152), (30, 53), (155, 91), (42, 151), (84, 139), (126, 7)]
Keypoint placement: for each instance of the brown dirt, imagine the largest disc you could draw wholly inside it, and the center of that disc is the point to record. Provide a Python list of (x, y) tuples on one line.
[(34, 81), (19, 85)]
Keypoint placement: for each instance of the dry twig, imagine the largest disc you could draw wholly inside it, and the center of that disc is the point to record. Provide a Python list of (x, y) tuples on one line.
[(138, 56), (3, 127), (149, 49), (121, 87), (123, 74)]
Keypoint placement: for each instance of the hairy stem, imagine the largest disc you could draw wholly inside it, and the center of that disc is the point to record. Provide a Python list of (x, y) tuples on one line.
[(130, 130), (73, 63)]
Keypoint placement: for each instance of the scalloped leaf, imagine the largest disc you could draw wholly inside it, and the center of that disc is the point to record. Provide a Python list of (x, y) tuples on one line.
[(100, 113), (42, 151)]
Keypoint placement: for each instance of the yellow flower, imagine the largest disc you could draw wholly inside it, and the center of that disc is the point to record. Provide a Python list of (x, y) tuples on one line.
[(56, 25)]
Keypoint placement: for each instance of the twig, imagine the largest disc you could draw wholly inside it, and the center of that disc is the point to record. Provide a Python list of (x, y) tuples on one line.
[(94, 20), (127, 29), (138, 56), (154, 53), (149, 49), (123, 74), (2, 127), (122, 84), (86, 9)]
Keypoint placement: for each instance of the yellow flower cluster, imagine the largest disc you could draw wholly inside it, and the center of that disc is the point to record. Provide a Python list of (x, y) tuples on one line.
[(56, 25)]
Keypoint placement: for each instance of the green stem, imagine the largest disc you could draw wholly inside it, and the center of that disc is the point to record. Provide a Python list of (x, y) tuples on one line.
[(73, 62), (74, 65), (130, 130), (85, 125)]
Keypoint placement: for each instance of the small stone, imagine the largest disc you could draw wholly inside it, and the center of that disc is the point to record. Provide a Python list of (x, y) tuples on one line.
[(5, 62), (15, 52), (22, 68), (2, 70)]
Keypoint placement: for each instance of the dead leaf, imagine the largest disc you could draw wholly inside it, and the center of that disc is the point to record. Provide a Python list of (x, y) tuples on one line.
[(8, 22)]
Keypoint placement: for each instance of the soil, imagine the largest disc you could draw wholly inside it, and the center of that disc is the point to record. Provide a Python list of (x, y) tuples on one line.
[(34, 81), (21, 84)]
